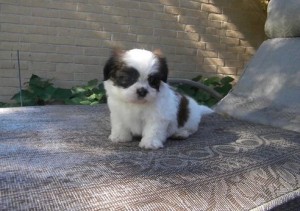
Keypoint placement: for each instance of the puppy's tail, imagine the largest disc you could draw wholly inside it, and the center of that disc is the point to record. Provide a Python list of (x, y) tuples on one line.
[(204, 110)]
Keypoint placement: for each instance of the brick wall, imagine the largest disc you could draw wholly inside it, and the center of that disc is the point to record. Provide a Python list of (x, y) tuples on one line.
[(69, 40)]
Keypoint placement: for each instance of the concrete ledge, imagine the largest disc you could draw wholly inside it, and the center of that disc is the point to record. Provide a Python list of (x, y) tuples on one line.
[(269, 90)]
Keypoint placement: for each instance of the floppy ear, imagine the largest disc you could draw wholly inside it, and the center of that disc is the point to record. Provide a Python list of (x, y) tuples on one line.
[(113, 63), (163, 67)]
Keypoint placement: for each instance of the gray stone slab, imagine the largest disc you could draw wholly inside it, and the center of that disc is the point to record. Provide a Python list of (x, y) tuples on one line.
[(59, 158), (269, 90), (283, 19)]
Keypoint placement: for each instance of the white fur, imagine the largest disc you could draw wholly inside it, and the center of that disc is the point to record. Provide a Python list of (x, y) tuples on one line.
[(153, 117)]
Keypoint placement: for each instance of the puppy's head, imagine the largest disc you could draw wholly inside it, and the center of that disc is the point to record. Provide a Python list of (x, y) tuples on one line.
[(136, 75)]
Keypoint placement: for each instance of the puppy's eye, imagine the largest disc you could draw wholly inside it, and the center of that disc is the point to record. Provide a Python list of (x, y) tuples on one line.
[(126, 77), (154, 81)]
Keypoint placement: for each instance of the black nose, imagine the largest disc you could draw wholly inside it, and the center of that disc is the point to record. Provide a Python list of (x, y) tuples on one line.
[(142, 92)]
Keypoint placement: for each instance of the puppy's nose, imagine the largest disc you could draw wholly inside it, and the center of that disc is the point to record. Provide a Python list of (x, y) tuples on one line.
[(142, 92)]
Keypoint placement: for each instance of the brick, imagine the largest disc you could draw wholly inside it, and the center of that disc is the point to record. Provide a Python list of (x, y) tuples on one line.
[(5, 36), (147, 39), (6, 64), (69, 68), (188, 36), (148, 23), (172, 10), (97, 51), (128, 4), (229, 26), (67, 49), (41, 66), (40, 21), (171, 41), (228, 55), (86, 60), (90, 8), (124, 37), (165, 17), (115, 10), (141, 30), (250, 50), (89, 25), (59, 58), (195, 29), (186, 51), (151, 7), (165, 33), (88, 42), (189, 20), (170, 2), (193, 44), (210, 38), (214, 61), (84, 76), (190, 4), (60, 76), (93, 68), (236, 34), (8, 73), (208, 54), (45, 12), (169, 25), (230, 41), (9, 90), (227, 70), (234, 63), (208, 68), (210, 8), (217, 17), (141, 13), (15, 9), (8, 18)]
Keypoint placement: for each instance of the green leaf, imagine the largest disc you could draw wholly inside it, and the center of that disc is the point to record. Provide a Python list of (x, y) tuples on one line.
[(92, 97), (27, 97), (226, 80), (94, 103), (61, 94), (212, 81), (37, 82), (197, 78), (76, 90), (93, 82), (224, 89), (85, 102), (202, 96)]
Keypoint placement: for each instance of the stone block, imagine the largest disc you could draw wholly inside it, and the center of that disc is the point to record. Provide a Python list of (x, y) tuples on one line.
[(283, 19)]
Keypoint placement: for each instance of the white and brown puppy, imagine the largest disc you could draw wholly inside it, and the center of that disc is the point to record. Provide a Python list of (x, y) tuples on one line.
[(142, 104)]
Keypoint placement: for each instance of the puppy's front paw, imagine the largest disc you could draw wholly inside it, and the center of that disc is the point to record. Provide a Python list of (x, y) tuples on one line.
[(151, 144), (117, 139)]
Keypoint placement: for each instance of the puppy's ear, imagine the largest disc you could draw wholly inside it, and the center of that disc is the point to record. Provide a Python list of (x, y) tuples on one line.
[(163, 67), (113, 63)]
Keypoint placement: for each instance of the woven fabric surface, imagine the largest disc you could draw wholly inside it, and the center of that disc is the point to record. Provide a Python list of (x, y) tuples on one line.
[(59, 158)]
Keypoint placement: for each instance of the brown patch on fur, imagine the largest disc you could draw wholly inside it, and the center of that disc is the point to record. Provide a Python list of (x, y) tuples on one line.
[(183, 111)]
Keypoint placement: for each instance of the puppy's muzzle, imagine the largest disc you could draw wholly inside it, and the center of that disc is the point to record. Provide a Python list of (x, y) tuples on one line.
[(142, 92)]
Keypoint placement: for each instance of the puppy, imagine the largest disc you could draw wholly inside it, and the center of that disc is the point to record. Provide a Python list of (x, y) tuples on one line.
[(142, 104)]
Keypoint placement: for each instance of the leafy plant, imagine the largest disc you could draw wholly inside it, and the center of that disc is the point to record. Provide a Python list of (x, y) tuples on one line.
[(90, 94), (221, 85), (41, 92)]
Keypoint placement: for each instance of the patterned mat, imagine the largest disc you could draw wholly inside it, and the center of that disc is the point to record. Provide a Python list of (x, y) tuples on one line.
[(59, 158)]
